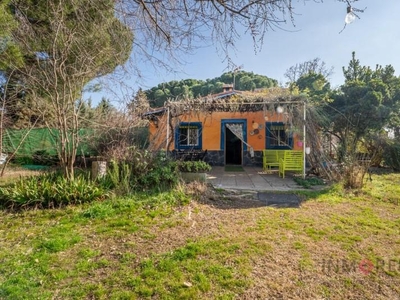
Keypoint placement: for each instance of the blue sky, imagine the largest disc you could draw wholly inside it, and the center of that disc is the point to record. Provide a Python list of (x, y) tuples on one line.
[(375, 38)]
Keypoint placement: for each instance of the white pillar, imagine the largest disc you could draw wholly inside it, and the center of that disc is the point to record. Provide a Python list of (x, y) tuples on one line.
[(304, 140), (99, 169)]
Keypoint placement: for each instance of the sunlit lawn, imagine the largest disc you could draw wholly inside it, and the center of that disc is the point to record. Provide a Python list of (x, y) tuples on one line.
[(337, 245)]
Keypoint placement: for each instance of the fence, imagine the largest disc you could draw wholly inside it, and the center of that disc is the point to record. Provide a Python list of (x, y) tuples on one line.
[(39, 141)]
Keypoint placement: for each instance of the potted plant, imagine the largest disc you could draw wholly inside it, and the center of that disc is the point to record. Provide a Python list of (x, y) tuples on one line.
[(193, 170)]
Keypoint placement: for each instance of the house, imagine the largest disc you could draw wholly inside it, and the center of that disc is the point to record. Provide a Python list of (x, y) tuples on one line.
[(234, 127)]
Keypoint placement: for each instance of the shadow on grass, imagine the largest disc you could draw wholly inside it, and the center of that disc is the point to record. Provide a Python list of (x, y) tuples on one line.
[(235, 199)]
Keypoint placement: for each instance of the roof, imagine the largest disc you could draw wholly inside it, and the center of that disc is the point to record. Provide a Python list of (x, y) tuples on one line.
[(154, 112), (225, 94)]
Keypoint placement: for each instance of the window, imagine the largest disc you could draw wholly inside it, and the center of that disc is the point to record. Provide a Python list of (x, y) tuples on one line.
[(188, 135), (277, 137)]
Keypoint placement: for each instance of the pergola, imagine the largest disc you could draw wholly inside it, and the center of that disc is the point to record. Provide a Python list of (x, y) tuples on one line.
[(281, 103)]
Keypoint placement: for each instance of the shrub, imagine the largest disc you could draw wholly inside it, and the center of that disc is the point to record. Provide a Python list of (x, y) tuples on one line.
[(163, 175), (193, 166), (142, 170), (391, 155), (119, 177), (353, 175), (50, 190), (309, 181)]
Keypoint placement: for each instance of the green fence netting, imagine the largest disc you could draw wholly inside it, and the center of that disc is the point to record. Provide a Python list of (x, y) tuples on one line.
[(39, 141)]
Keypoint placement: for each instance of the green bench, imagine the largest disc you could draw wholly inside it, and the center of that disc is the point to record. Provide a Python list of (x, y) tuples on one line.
[(292, 161), (271, 158)]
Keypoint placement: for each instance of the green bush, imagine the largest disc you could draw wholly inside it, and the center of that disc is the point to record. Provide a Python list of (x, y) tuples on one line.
[(162, 176), (193, 166), (391, 155), (50, 190), (309, 181), (142, 170)]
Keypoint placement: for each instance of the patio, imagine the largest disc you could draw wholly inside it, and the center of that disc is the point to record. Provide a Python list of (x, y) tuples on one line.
[(252, 179)]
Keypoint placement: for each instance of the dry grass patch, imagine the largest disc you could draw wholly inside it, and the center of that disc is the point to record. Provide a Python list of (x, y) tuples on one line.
[(11, 174)]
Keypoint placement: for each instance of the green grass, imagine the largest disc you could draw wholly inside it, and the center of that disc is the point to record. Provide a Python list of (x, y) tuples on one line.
[(167, 246), (309, 181)]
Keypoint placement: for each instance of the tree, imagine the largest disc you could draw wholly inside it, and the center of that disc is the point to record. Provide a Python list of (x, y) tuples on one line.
[(192, 88), (64, 45), (246, 83), (104, 107), (314, 66), (366, 103), (57, 47), (172, 27), (386, 88), (316, 86), (9, 51)]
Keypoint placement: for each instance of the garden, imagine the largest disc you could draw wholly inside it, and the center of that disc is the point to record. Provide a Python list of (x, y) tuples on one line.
[(157, 238), (138, 230)]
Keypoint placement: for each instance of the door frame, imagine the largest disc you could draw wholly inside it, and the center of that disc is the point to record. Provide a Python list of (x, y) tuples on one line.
[(223, 134)]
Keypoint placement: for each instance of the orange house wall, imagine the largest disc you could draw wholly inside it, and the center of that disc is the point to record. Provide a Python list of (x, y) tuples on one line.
[(211, 133)]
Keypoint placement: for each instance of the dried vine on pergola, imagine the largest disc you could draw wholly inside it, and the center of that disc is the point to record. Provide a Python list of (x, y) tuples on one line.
[(241, 103), (251, 102)]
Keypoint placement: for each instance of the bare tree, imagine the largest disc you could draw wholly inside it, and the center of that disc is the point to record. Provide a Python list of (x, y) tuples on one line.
[(315, 65), (164, 29)]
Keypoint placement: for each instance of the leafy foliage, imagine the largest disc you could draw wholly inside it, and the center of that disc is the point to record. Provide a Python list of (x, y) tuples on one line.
[(316, 86), (192, 88), (391, 155), (309, 181), (142, 170), (365, 104), (50, 190), (9, 51), (193, 166)]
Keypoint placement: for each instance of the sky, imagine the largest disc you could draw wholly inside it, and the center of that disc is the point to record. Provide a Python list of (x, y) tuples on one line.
[(375, 38)]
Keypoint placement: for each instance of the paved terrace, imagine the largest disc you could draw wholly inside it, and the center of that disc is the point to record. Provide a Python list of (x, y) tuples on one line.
[(252, 179)]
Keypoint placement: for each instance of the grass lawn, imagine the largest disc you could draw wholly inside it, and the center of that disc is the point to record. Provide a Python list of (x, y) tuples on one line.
[(208, 245)]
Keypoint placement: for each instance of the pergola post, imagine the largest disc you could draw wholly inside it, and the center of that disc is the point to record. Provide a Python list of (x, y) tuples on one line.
[(304, 140), (166, 146)]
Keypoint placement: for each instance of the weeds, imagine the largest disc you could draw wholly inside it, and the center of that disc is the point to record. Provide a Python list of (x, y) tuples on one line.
[(193, 166), (142, 171), (49, 191), (309, 181)]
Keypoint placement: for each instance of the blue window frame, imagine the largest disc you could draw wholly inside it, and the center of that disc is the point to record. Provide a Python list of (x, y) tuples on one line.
[(277, 136), (234, 121), (188, 135)]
